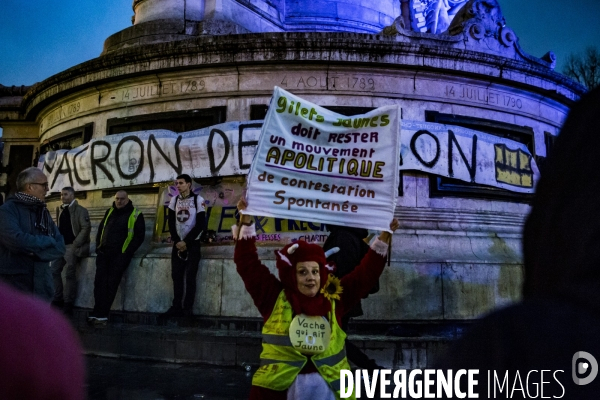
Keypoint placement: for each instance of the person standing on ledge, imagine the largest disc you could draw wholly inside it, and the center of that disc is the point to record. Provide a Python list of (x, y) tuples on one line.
[(74, 224), (187, 220), (120, 234)]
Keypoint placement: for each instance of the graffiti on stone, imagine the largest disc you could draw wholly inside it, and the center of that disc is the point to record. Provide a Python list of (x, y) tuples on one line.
[(153, 156)]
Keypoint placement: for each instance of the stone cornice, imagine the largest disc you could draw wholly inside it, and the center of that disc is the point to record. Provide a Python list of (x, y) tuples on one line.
[(13, 90), (301, 48), (436, 220)]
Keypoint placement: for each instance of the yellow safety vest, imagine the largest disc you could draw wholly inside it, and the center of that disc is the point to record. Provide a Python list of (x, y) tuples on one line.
[(280, 363), (130, 225)]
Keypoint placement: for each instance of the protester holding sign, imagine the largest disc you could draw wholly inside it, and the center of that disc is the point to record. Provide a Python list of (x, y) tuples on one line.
[(313, 160), (303, 343)]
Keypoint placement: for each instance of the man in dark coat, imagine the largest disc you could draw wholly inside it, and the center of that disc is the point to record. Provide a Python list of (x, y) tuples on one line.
[(559, 317), (29, 239), (120, 234)]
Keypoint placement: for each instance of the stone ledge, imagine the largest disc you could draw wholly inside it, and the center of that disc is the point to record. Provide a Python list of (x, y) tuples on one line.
[(168, 30), (463, 286), (269, 48), (236, 347)]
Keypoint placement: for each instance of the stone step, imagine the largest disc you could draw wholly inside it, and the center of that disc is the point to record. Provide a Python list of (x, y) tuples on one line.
[(230, 342)]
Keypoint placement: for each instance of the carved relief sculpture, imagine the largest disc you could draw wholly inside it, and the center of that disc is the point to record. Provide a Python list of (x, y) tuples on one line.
[(440, 13), (434, 16), (482, 23), (480, 18), (476, 25)]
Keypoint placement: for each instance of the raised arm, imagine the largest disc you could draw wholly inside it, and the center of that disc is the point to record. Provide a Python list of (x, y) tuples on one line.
[(260, 283), (358, 283)]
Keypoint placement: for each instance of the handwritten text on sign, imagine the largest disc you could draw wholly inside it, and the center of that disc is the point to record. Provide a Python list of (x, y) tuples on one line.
[(312, 163), (468, 155), (227, 149), (153, 156)]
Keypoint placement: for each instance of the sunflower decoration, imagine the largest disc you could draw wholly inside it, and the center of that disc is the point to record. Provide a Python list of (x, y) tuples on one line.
[(332, 288)]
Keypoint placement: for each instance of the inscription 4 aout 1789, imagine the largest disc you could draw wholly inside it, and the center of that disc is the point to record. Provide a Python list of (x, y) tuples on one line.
[(331, 82)]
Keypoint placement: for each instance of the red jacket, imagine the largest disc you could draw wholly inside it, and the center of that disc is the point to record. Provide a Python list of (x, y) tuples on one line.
[(264, 288)]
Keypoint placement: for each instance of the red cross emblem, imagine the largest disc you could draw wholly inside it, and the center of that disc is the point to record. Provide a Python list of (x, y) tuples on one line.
[(183, 215)]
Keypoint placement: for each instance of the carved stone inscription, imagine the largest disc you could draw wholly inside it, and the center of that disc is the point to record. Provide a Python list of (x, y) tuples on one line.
[(358, 82), (67, 111), (61, 113), (134, 93), (174, 88), (485, 96)]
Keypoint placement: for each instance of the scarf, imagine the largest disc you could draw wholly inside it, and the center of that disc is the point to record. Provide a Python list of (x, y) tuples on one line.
[(43, 219), (302, 304)]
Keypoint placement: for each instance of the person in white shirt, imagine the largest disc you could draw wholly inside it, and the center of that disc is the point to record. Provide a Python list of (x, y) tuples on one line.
[(187, 220)]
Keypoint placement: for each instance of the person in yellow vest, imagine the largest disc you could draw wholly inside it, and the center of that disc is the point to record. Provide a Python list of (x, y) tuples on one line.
[(120, 234), (303, 342)]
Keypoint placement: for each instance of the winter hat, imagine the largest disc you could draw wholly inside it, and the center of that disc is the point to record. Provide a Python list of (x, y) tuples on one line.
[(288, 257)]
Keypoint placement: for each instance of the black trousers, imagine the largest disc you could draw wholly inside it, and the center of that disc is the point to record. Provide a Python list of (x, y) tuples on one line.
[(183, 273), (109, 271)]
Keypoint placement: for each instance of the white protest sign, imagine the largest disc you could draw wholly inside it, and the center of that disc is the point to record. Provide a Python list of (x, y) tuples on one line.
[(314, 164), (467, 155), (137, 158)]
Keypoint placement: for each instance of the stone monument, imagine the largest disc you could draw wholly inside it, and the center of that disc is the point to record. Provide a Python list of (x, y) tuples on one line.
[(188, 64)]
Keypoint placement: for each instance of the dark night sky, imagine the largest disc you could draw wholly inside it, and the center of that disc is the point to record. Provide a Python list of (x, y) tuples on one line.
[(43, 37)]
